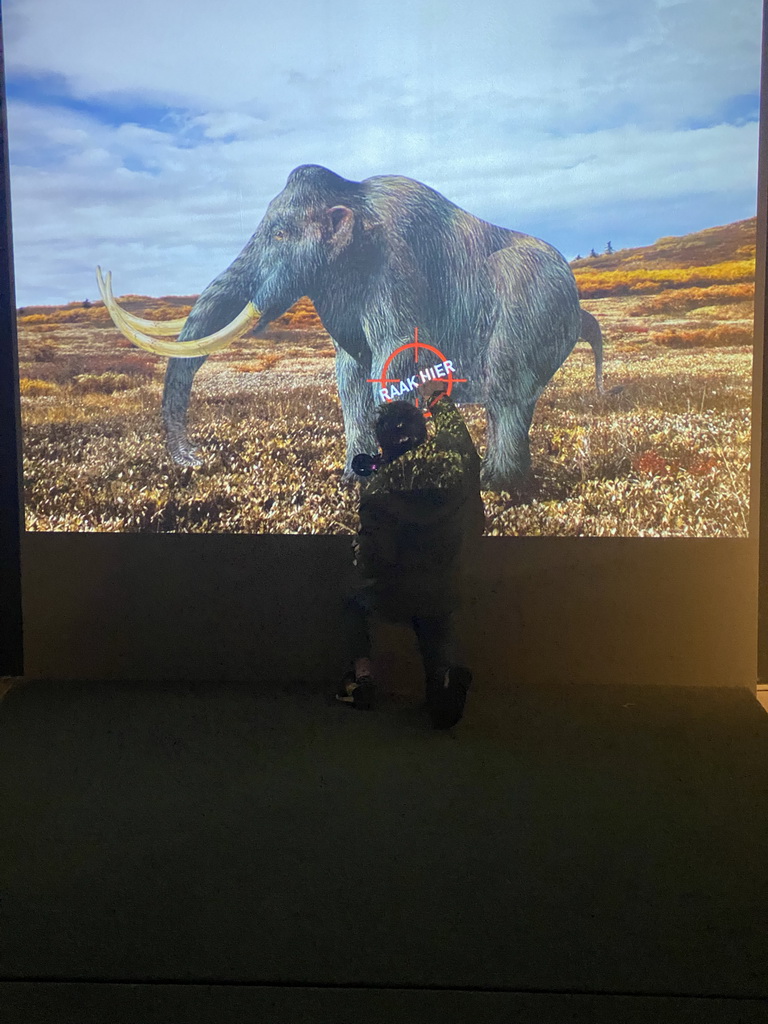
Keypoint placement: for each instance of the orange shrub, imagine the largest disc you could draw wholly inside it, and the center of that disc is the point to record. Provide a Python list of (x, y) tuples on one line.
[(651, 463), (91, 314), (301, 315), (164, 311), (306, 318), (715, 337), (98, 314), (683, 299), (30, 387), (600, 284)]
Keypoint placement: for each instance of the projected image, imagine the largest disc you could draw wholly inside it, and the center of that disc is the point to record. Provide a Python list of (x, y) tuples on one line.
[(439, 222)]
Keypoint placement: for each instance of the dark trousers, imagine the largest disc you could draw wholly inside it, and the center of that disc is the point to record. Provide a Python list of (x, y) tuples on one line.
[(435, 634)]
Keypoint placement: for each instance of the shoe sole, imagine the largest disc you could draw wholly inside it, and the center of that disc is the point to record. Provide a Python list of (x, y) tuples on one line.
[(446, 703), (362, 699)]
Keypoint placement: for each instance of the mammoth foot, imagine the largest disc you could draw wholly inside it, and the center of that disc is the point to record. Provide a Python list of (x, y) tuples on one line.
[(182, 452), (522, 490), (349, 479)]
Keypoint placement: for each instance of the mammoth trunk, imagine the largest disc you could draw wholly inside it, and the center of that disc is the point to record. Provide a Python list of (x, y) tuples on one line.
[(217, 308)]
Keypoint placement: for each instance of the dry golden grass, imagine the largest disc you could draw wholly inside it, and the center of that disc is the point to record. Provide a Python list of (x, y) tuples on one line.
[(665, 455), (103, 383), (629, 327), (280, 474)]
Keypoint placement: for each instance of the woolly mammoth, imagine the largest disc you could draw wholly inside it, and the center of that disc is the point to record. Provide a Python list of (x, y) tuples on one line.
[(378, 258)]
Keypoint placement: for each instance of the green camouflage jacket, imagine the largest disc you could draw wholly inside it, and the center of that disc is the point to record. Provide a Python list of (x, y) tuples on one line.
[(418, 513)]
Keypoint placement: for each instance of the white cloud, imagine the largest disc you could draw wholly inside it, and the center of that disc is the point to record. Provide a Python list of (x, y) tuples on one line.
[(511, 109), (239, 56), (174, 229)]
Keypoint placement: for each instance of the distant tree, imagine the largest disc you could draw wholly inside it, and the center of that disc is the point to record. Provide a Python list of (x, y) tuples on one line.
[(592, 254), (608, 249), (87, 304), (577, 257)]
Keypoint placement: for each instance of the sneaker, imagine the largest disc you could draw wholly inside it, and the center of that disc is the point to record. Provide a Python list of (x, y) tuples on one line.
[(357, 692), (447, 696)]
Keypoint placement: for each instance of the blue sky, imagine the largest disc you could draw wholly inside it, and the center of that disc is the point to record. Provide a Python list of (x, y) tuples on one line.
[(150, 138)]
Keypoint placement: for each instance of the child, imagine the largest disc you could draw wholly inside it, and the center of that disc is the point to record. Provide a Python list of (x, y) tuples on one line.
[(416, 515)]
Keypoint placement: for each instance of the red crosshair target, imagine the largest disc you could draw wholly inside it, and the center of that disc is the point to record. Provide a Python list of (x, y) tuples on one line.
[(416, 345)]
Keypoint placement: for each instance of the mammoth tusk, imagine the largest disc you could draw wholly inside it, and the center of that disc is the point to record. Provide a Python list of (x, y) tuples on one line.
[(176, 349), (157, 328), (196, 347)]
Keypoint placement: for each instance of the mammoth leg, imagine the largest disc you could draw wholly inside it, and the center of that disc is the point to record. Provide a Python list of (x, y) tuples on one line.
[(507, 464), (179, 375), (536, 323), (512, 390), (357, 406)]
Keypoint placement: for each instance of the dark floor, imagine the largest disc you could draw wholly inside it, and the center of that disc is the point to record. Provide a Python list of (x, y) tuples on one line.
[(577, 841)]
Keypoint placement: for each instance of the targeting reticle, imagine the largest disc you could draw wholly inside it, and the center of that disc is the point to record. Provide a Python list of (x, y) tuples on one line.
[(393, 388)]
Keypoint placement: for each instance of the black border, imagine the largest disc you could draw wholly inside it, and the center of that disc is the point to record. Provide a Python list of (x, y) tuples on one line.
[(11, 638)]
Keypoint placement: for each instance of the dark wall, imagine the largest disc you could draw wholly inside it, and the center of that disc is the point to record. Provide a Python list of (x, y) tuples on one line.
[(677, 612)]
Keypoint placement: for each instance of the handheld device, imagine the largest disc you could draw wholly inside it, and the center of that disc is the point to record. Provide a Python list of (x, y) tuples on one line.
[(365, 465)]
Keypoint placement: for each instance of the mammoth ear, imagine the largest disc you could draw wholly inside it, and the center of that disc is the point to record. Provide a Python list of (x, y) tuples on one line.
[(340, 221)]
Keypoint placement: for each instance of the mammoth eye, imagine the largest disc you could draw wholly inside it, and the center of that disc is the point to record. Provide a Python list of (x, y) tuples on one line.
[(279, 236)]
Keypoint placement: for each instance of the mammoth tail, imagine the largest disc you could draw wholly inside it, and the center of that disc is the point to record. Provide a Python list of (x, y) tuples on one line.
[(591, 333)]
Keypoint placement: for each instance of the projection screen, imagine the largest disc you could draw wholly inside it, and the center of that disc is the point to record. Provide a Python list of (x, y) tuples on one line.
[(238, 231)]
